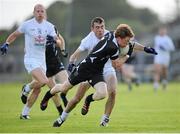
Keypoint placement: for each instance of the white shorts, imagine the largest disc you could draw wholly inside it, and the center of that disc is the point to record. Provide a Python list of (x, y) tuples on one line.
[(163, 60), (31, 64), (109, 70)]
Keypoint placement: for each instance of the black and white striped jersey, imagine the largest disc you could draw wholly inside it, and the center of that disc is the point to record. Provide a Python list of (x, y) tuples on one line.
[(105, 49)]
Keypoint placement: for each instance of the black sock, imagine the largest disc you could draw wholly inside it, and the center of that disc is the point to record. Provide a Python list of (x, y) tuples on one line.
[(60, 109), (89, 98), (47, 96), (64, 99), (63, 95)]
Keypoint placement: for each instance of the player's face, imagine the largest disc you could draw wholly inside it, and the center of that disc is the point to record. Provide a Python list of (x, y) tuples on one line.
[(163, 31), (98, 29), (39, 13), (123, 42)]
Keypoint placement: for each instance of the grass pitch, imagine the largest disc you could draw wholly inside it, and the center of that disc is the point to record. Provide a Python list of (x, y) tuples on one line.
[(141, 110)]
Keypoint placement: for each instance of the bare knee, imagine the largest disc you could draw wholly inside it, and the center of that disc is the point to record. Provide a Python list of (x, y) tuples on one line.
[(101, 91), (102, 94), (45, 82), (41, 82)]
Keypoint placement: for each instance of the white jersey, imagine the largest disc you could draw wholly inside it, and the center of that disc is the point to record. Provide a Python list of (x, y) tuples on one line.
[(166, 43), (89, 42), (35, 38)]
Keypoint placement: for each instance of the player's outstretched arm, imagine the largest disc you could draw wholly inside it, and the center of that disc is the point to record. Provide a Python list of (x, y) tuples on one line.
[(11, 38), (73, 58), (149, 50)]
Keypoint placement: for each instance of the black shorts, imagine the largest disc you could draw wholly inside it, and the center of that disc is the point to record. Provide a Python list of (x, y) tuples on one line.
[(53, 69), (79, 75)]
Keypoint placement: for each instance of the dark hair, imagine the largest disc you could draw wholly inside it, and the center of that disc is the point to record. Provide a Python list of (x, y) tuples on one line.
[(97, 20), (124, 30)]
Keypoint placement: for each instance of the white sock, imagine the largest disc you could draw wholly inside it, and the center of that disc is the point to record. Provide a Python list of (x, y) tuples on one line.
[(64, 115), (156, 85), (104, 117), (25, 110), (164, 82), (27, 88)]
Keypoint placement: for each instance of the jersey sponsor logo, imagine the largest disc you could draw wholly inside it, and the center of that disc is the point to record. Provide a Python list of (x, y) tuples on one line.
[(92, 59), (39, 40), (90, 81)]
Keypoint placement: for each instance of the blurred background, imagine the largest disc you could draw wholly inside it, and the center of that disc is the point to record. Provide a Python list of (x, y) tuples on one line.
[(73, 17)]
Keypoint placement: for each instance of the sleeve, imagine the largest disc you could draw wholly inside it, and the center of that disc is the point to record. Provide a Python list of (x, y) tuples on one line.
[(22, 28), (84, 45), (114, 53), (52, 31), (170, 45)]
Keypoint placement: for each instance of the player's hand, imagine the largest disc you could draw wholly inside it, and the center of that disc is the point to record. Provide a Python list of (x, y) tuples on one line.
[(150, 50), (64, 53), (4, 48), (50, 40), (71, 66)]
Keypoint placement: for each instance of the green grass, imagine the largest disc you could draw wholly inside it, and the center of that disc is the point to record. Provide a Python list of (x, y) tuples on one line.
[(141, 110)]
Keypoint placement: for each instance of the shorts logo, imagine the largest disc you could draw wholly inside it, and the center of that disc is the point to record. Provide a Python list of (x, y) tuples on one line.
[(39, 40), (90, 81)]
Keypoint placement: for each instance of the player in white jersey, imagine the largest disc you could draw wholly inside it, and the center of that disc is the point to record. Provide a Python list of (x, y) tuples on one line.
[(55, 70), (164, 45), (35, 31)]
